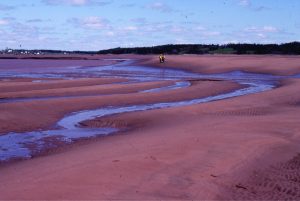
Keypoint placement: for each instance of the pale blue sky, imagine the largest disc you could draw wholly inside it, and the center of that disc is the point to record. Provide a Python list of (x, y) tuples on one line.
[(101, 24)]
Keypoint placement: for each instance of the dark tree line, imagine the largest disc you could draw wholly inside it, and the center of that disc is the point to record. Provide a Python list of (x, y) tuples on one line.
[(292, 48)]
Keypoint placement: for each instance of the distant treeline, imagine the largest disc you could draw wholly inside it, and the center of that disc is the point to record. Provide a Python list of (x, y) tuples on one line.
[(292, 48)]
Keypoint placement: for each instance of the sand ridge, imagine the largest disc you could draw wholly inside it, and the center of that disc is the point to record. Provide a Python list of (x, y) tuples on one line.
[(271, 64)]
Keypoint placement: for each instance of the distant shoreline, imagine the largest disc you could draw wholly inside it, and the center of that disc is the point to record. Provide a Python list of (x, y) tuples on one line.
[(292, 48), (47, 58)]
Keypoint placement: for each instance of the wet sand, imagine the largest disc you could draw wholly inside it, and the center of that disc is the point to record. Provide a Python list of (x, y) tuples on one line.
[(41, 114), (240, 148)]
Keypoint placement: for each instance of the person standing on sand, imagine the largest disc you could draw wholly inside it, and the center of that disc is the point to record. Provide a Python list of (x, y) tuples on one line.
[(161, 58)]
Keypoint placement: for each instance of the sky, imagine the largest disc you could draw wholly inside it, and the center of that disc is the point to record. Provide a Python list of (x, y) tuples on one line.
[(103, 24)]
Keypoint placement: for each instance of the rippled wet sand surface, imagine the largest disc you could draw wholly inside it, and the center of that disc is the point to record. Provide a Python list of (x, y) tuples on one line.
[(238, 148), (28, 144)]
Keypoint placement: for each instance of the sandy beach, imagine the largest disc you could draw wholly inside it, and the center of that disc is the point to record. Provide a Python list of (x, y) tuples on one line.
[(239, 148)]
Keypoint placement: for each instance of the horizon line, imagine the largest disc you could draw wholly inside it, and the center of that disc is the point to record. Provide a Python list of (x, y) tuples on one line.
[(220, 44)]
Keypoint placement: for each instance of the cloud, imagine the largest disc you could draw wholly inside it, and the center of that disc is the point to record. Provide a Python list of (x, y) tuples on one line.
[(248, 4), (36, 20), (159, 6), (5, 7), (7, 21), (270, 29), (77, 2), (261, 8), (177, 29), (245, 3), (204, 32), (200, 28), (261, 34), (264, 29), (130, 28), (210, 33), (92, 22), (110, 33), (140, 20), (29, 35), (3, 22), (128, 5)]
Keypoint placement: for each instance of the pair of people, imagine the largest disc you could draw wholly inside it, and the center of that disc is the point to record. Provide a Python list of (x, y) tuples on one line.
[(162, 58)]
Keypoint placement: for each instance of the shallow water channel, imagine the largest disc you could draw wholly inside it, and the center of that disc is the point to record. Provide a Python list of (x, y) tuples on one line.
[(26, 145)]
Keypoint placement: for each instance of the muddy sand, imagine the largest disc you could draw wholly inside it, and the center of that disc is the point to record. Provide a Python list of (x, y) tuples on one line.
[(240, 148)]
